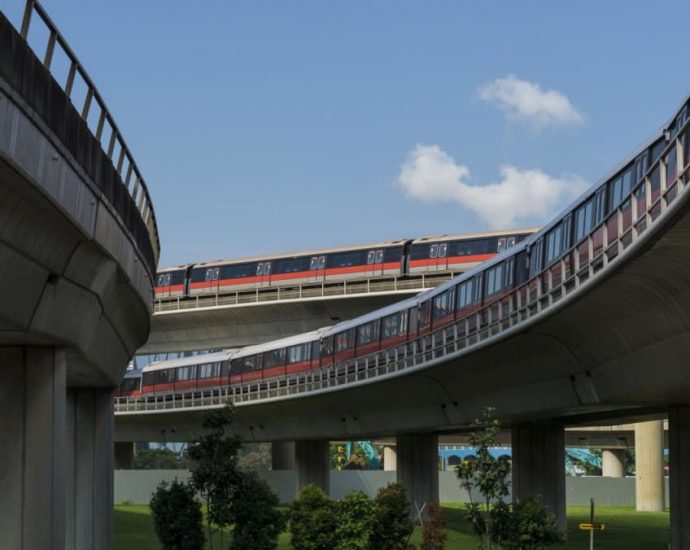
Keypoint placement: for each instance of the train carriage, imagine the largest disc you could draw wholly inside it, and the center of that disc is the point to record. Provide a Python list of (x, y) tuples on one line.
[(316, 266), (130, 385), (187, 373), (172, 282), (460, 252)]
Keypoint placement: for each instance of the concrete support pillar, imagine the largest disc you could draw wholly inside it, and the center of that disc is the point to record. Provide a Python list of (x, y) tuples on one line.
[(679, 469), (283, 455), (124, 455), (90, 460), (613, 462), (417, 468), (390, 458), (312, 462), (32, 452), (649, 466), (539, 465)]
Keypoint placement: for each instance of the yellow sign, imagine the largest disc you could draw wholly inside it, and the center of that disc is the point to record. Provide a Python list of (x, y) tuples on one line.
[(592, 526)]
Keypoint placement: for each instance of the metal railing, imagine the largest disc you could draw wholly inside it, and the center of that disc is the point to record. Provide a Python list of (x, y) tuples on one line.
[(603, 246), (330, 289), (106, 132)]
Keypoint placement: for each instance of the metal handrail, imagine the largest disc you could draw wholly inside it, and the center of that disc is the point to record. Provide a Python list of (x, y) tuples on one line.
[(350, 287), (500, 314), (138, 189)]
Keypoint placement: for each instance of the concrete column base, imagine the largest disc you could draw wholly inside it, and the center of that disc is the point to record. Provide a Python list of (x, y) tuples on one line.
[(124, 455), (283, 455), (390, 458), (649, 466), (417, 469), (679, 469), (32, 454), (539, 465), (613, 462), (312, 462), (90, 460)]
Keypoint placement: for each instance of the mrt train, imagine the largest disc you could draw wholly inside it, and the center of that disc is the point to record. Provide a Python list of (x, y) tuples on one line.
[(389, 258), (608, 212)]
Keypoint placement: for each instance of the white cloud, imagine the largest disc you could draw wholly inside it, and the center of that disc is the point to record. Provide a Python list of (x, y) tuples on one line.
[(522, 100), (429, 174)]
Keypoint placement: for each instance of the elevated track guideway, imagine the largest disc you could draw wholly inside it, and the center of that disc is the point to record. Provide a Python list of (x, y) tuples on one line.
[(588, 318), (78, 248)]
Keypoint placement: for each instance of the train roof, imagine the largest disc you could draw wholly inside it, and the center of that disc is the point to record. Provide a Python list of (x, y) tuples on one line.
[(180, 267), (377, 314), (132, 373), (482, 235), (282, 343), (200, 359)]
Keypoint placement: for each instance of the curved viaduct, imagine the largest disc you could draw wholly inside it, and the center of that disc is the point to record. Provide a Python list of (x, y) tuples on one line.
[(78, 248), (606, 337)]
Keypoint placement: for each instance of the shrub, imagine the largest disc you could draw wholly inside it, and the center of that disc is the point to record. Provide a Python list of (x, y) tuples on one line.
[(392, 525), (312, 520), (257, 520), (529, 526), (177, 517), (433, 534), (354, 522)]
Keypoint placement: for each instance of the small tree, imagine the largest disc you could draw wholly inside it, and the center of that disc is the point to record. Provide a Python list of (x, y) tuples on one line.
[(177, 517), (392, 525), (214, 469), (312, 520), (354, 522), (257, 520), (486, 474), (433, 533)]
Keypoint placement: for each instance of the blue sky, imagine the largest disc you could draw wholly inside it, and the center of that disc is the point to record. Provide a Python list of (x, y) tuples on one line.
[(267, 127)]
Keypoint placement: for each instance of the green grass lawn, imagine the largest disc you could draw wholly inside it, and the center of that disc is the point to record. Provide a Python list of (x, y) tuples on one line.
[(625, 529)]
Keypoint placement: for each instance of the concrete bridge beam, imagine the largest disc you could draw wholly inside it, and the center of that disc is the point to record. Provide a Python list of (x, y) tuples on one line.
[(417, 468), (679, 483), (649, 466), (312, 462), (539, 465)]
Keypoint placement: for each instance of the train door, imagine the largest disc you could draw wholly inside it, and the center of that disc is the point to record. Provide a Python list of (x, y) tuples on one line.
[(212, 277), (163, 287), (263, 274), (317, 268), (378, 262), (442, 259), (371, 263)]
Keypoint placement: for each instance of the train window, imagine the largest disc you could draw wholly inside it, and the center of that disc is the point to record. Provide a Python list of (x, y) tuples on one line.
[(433, 251), (299, 353), (259, 268), (655, 179), (371, 256), (494, 279), (509, 272), (671, 167), (443, 303), (599, 205), (535, 257), (291, 265), (642, 164), (510, 242), (583, 220), (424, 314), (501, 245), (314, 263), (322, 262), (466, 294), (368, 333), (164, 279), (327, 346), (567, 231), (344, 340), (442, 250), (267, 268), (615, 192), (554, 243), (379, 256)]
